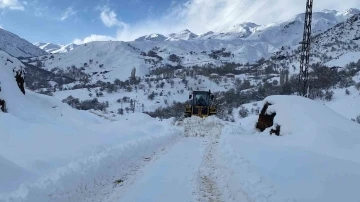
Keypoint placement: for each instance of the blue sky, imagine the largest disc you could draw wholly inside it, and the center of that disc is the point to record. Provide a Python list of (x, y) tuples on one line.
[(62, 21), (81, 21)]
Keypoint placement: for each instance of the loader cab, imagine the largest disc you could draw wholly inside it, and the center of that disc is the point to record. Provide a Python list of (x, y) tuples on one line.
[(201, 104), (201, 98)]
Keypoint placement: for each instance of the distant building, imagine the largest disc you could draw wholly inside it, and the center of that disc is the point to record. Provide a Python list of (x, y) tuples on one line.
[(230, 75), (214, 75)]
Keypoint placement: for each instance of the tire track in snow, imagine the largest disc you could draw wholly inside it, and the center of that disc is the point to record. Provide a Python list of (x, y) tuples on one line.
[(92, 178), (215, 177), (208, 188), (170, 177), (115, 192)]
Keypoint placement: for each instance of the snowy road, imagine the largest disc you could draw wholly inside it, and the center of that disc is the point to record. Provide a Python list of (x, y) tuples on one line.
[(170, 178), (189, 171), (204, 160)]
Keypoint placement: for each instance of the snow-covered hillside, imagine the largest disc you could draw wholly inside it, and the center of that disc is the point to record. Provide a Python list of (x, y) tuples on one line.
[(18, 47), (290, 32), (55, 48), (116, 59), (336, 47), (347, 40), (39, 134)]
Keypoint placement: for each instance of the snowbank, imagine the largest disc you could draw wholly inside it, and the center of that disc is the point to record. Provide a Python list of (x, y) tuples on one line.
[(316, 159), (315, 126), (12, 174), (40, 136)]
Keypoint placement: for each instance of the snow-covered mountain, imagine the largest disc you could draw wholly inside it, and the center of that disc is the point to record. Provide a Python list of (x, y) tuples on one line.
[(97, 65), (243, 30), (48, 47), (116, 59), (183, 35), (247, 42), (55, 48), (18, 47), (278, 34), (337, 46), (347, 39), (152, 37), (290, 32)]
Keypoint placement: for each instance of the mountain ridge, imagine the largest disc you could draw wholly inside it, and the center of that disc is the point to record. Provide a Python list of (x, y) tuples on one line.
[(17, 46)]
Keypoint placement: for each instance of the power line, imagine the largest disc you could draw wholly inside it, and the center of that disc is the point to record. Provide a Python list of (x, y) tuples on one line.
[(257, 10), (229, 14), (240, 14)]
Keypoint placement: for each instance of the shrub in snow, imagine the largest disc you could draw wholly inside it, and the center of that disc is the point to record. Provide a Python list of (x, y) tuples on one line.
[(152, 95), (86, 104), (358, 119), (73, 102), (347, 82), (243, 112), (175, 110), (276, 130), (347, 92), (329, 95), (46, 92), (128, 89), (174, 58), (316, 93), (275, 82), (357, 86)]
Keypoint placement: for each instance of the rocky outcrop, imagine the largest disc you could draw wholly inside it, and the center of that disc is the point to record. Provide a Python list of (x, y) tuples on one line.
[(267, 120), (20, 75), (2, 105)]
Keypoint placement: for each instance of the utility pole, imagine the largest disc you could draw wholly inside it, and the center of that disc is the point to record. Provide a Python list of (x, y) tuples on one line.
[(305, 52)]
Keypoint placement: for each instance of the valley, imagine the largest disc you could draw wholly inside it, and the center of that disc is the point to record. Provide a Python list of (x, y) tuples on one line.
[(104, 120)]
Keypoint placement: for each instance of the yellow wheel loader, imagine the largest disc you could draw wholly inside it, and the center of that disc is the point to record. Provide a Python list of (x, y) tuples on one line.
[(201, 104)]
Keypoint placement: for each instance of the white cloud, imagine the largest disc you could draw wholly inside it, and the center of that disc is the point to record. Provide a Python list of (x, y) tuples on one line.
[(93, 37), (201, 16), (67, 13), (11, 4), (108, 17)]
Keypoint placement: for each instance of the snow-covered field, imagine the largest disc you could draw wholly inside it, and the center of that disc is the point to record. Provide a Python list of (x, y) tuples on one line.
[(344, 59)]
